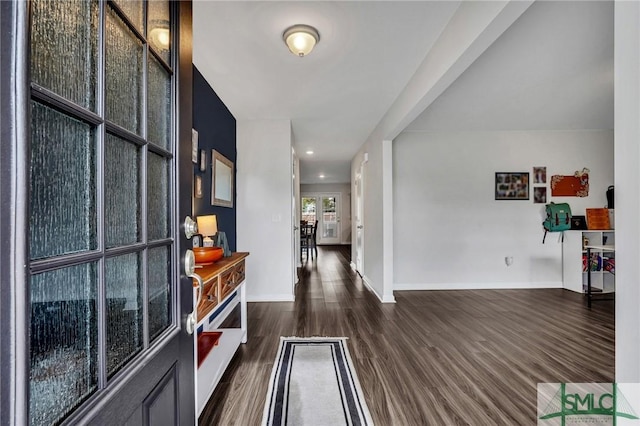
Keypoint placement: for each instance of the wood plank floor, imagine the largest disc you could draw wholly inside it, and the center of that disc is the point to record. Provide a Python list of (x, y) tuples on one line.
[(434, 357)]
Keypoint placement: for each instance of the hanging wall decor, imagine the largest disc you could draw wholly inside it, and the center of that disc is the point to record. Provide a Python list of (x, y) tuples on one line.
[(540, 194), (571, 186), (512, 186), (539, 174)]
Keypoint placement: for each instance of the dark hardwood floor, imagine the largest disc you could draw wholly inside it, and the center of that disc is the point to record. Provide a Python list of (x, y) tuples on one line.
[(434, 357)]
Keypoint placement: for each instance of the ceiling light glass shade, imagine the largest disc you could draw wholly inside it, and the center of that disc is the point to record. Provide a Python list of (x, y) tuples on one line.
[(301, 39)]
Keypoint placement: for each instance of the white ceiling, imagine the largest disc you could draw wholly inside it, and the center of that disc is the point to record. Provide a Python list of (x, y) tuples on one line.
[(335, 96), (552, 69)]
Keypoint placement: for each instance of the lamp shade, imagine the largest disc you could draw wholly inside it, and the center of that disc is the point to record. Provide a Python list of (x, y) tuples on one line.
[(301, 39), (207, 225)]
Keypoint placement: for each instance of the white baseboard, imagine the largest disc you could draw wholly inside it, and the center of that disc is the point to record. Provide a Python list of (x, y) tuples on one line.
[(382, 299), (270, 298), (477, 286), (353, 265)]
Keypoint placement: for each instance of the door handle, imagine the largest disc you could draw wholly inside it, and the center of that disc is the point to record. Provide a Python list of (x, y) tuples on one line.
[(359, 227), (190, 227), (189, 270)]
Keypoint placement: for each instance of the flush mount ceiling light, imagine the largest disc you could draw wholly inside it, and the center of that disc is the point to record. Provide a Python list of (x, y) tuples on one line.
[(301, 39)]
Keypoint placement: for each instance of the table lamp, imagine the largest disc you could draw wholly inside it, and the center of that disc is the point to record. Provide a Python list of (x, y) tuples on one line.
[(207, 227)]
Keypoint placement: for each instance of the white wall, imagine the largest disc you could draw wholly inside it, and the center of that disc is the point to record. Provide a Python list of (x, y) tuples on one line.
[(450, 232), (627, 195), (345, 203), (472, 29), (264, 222)]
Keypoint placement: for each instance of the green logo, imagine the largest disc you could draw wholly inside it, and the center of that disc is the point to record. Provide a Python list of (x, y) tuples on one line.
[(593, 403)]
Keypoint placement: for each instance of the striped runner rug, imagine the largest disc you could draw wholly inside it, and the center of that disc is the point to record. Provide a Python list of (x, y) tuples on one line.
[(313, 382)]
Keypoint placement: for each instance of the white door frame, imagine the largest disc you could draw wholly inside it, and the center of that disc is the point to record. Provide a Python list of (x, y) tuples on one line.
[(359, 229), (318, 197)]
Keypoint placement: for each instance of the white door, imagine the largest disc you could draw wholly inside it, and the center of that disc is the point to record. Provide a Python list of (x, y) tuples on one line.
[(329, 229), (359, 222), (100, 158)]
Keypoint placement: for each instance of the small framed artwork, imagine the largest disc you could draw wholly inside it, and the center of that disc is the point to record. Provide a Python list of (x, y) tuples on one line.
[(512, 185), (198, 187), (194, 146), (221, 180), (203, 160), (540, 195), (539, 175)]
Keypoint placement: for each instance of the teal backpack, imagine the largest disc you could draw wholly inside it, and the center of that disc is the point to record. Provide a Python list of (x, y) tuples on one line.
[(558, 218)]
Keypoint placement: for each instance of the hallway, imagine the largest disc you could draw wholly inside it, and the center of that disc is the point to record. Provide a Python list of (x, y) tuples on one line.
[(434, 357)]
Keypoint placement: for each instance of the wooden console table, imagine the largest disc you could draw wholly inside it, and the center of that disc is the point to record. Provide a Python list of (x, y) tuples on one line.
[(224, 289)]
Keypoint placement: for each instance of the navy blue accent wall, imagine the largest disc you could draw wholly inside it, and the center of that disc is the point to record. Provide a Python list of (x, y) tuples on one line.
[(216, 128)]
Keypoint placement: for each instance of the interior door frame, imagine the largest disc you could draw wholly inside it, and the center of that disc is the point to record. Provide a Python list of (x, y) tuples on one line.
[(359, 228), (318, 197), (295, 214), (110, 405)]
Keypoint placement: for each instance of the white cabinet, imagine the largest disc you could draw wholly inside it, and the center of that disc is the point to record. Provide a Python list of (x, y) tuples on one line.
[(575, 263)]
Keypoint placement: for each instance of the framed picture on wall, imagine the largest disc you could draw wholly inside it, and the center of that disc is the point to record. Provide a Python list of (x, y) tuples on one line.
[(197, 191), (194, 146), (512, 185), (540, 195), (203, 160), (539, 174), (221, 180)]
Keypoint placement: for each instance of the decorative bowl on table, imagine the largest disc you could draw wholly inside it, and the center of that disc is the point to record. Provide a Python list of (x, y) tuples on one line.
[(207, 255)]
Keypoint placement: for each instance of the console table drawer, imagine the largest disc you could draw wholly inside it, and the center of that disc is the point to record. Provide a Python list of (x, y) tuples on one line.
[(209, 298)]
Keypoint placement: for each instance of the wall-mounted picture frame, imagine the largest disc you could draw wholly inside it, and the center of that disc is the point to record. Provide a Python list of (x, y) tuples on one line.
[(194, 146), (203, 160), (221, 180), (512, 185), (540, 195), (540, 174), (197, 191)]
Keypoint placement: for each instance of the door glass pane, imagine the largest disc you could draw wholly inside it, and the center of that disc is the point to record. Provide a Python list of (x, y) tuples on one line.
[(157, 197), (159, 104), (123, 282), (308, 213), (63, 340), (122, 192), (329, 218), (159, 290), (158, 23), (123, 75), (134, 10), (63, 184), (64, 48)]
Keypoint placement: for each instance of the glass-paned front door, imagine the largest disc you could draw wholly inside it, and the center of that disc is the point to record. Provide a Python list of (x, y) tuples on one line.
[(102, 238)]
